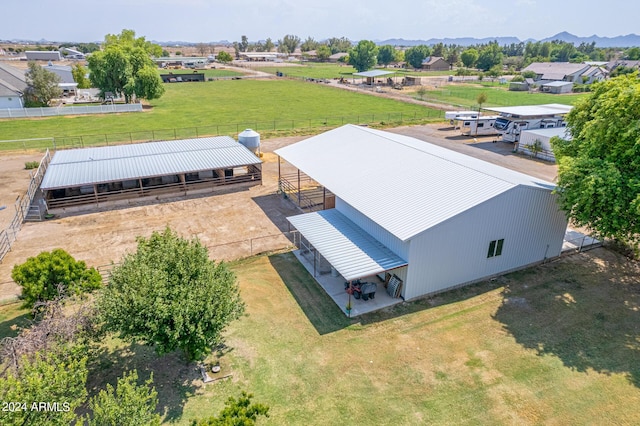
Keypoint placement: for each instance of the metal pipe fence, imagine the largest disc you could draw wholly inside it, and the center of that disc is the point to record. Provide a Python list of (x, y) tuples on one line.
[(275, 126), (22, 204), (68, 110)]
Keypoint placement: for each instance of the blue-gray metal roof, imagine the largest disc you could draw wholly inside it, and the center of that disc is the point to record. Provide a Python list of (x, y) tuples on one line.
[(89, 166), (403, 184), (373, 73), (347, 247)]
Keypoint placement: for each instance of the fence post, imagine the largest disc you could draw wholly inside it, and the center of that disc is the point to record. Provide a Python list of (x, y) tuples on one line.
[(174, 134)]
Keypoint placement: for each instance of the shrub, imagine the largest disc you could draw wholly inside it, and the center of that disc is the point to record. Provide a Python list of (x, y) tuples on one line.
[(42, 277), (31, 165)]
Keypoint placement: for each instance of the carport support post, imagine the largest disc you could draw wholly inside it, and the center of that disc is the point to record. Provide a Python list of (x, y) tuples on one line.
[(349, 302), (299, 203), (279, 175), (95, 194)]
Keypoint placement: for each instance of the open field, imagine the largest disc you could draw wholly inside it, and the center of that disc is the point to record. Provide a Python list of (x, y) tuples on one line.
[(555, 344), (214, 108), (332, 70)]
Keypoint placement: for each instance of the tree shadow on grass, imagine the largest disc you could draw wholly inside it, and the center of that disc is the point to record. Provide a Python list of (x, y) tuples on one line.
[(13, 320), (319, 308), (174, 379), (585, 311)]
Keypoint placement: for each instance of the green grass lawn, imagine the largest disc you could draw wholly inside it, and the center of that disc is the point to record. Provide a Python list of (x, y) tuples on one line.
[(311, 70), (208, 73), (333, 70), (555, 344), (219, 107)]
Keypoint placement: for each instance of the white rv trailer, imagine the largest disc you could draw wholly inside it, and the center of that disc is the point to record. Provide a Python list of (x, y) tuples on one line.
[(454, 115), (513, 120), (477, 126)]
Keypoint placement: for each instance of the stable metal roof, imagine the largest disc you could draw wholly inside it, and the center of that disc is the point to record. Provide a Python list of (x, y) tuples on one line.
[(373, 73), (347, 247), (532, 110), (88, 166), (403, 184)]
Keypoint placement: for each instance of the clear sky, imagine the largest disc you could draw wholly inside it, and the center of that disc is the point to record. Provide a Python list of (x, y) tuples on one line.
[(214, 20)]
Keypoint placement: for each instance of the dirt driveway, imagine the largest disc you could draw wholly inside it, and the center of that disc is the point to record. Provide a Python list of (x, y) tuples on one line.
[(233, 224)]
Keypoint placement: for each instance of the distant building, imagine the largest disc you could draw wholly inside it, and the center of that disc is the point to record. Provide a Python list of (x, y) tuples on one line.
[(64, 72), (622, 63), (565, 71), (38, 55), (69, 53), (557, 87), (435, 63), (336, 57)]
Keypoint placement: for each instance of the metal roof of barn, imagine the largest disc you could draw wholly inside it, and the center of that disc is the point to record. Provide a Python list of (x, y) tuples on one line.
[(403, 184), (373, 73), (89, 166), (347, 247)]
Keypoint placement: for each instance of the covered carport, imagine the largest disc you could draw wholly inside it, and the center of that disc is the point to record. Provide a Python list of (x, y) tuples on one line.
[(371, 76), (337, 251)]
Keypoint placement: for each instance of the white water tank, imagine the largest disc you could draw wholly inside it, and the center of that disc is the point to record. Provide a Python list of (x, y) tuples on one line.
[(251, 140)]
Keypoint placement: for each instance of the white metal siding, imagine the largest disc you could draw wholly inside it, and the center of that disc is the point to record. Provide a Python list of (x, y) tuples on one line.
[(10, 101), (392, 242), (455, 252)]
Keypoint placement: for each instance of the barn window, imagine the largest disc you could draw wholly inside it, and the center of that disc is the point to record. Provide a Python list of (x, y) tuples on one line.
[(495, 248)]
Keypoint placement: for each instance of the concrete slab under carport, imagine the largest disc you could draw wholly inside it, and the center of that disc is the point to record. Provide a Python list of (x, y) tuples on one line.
[(334, 287)]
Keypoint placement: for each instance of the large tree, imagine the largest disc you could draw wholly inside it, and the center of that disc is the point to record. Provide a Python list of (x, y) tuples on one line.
[(338, 45), (170, 295), (490, 56), (42, 277), (599, 167), (124, 67), (364, 55), (288, 44), (415, 55), (80, 76), (323, 52), (224, 57), (386, 54), (42, 86), (469, 57)]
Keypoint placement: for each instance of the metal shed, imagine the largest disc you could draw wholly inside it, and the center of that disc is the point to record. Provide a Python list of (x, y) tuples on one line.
[(97, 176), (452, 218)]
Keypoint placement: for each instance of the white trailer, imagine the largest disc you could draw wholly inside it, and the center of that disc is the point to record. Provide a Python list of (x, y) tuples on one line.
[(513, 120), (478, 126), (454, 115)]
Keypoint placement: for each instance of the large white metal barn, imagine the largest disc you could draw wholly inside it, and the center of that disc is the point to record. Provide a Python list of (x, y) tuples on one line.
[(428, 217), (79, 179)]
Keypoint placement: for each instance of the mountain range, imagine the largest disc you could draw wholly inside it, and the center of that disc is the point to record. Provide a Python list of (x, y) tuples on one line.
[(628, 40)]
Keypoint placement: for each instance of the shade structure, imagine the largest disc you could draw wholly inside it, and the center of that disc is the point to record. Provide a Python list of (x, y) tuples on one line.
[(348, 248)]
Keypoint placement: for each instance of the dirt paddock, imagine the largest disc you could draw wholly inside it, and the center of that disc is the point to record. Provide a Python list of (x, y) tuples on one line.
[(232, 223)]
